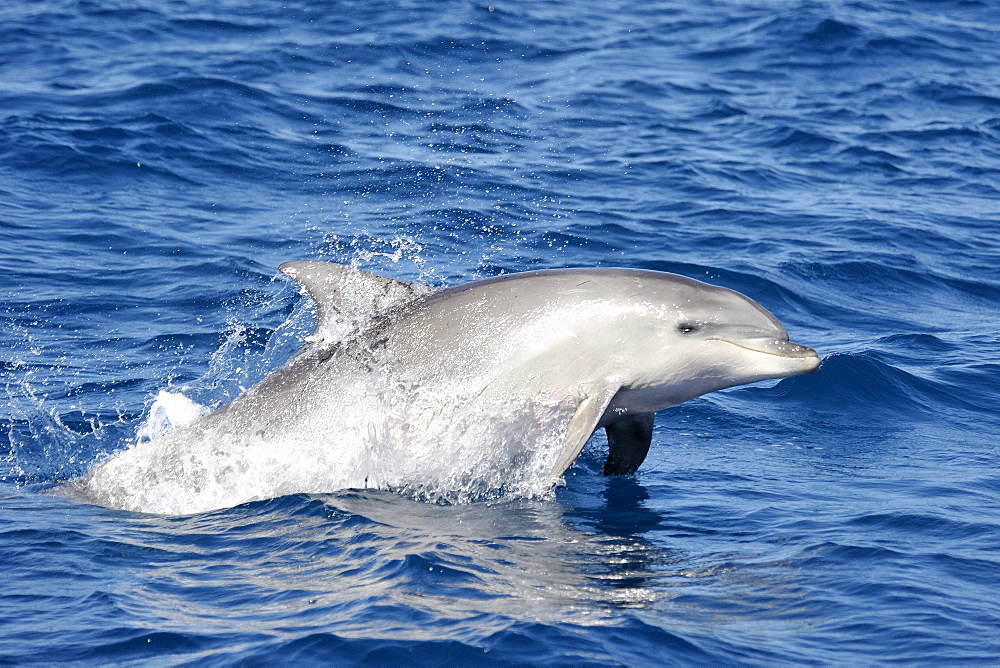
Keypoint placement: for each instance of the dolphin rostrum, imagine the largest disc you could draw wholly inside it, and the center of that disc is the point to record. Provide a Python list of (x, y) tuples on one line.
[(527, 365)]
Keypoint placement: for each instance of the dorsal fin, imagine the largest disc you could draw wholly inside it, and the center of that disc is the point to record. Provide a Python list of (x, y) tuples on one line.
[(346, 296)]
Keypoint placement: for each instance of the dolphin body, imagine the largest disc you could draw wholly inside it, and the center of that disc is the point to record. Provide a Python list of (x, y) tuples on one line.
[(564, 352)]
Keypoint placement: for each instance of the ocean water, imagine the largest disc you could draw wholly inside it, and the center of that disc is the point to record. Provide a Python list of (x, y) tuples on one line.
[(838, 162)]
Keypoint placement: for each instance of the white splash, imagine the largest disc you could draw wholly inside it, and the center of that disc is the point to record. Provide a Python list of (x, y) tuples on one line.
[(425, 450), (170, 411)]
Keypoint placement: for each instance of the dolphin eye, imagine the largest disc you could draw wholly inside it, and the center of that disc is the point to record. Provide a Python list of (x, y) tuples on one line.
[(687, 327)]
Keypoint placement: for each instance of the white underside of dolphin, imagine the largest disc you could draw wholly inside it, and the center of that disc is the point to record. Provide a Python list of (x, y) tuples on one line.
[(489, 387)]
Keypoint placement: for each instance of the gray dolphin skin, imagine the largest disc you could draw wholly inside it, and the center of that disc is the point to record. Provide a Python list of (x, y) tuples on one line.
[(611, 346)]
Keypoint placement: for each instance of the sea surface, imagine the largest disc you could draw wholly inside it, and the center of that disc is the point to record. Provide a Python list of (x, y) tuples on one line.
[(836, 161)]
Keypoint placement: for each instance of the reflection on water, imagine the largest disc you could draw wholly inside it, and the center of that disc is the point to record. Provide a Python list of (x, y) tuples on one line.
[(368, 564), (344, 559)]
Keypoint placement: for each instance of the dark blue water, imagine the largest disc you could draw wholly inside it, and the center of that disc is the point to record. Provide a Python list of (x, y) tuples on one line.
[(839, 162)]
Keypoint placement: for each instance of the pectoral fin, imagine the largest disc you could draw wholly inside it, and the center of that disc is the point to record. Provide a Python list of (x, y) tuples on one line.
[(628, 443), (582, 425)]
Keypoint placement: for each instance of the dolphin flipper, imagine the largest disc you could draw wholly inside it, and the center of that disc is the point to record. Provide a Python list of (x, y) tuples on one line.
[(582, 425), (346, 295), (628, 443)]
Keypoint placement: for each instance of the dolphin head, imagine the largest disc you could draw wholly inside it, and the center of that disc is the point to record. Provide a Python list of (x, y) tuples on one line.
[(704, 338)]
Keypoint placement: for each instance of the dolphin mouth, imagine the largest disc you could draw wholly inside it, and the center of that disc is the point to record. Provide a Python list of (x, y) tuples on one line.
[(772, 346)]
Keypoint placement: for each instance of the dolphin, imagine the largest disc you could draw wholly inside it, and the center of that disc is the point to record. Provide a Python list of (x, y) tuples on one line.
[(561, 351)]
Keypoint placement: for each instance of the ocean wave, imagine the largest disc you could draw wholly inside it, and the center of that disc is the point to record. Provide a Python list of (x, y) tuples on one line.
[(836, 162)]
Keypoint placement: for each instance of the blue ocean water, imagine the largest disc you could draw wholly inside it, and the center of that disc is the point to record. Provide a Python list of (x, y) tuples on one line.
[(839, 162)]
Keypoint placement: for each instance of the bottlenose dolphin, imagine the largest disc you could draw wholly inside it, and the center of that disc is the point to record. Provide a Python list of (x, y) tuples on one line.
[(577, 349)]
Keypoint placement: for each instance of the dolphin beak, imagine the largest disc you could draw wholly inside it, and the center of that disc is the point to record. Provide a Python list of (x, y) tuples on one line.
[(773, 346), (777, 347)]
